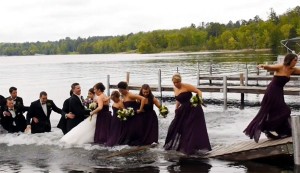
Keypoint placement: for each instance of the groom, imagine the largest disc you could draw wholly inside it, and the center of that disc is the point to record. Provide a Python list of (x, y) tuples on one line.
[(76, 107)]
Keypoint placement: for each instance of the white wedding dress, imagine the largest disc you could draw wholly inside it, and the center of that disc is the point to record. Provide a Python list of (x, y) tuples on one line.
[(83, 133)]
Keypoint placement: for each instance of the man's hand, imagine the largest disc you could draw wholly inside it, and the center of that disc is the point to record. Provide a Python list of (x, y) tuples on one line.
[(6, 113), (70, 115), (35, 120), (28, 129)]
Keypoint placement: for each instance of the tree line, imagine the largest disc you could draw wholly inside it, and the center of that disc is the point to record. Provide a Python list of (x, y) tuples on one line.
[(252, 34)]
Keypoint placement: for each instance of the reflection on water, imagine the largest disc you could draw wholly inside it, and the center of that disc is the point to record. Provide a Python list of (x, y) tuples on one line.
[(190, 165)]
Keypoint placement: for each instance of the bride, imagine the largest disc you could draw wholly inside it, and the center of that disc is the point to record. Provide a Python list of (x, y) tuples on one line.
[(85, 131)]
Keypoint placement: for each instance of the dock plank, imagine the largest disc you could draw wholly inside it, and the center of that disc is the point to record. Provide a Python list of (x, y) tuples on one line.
[(248, 150)]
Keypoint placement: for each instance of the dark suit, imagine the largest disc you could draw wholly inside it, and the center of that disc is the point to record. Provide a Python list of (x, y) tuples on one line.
[(62, 124), (16, 124), (76, 107), (36, 110), (2, 103), (18, 104)]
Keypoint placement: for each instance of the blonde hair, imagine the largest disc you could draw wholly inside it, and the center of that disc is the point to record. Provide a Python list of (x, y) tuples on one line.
[(176, 77)]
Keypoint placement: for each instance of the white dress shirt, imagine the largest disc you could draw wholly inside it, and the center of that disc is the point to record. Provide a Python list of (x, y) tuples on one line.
[(44, 106), (13, 114)]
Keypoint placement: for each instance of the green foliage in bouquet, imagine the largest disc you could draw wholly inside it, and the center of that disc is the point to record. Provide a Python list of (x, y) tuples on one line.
[(197, 100), (163, 111)]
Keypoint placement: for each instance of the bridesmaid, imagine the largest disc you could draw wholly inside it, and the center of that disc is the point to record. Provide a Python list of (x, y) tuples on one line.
[(91, 97), (187, 132), (274, 115), (116, 125), (150, 121), (103, 115), (132, 133)]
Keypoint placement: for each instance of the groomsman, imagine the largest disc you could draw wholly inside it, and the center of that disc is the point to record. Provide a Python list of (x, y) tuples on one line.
[(76, 107), (13, 119), (62, 124), (18, 101), (38, 116), (2, 104)]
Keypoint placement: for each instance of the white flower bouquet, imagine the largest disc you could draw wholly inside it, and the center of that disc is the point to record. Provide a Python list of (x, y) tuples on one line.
[(197, 100), (163, 111), (92, 106), (124, 114)]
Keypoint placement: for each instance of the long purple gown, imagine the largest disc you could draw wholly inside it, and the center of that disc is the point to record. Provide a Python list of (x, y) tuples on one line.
[(150, 125), (274, 113), (132, 127), (187, 132), (116, 127), (102, 125)]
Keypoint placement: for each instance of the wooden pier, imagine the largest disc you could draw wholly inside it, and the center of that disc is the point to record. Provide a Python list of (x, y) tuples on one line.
[(242, 88), (209, 88), (250, 150), (242, 151)]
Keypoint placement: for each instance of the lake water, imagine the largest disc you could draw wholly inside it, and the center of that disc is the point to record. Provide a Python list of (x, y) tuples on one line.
[(55, 74)]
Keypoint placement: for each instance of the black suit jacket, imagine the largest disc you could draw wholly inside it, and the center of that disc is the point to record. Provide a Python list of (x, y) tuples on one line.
[(36, 110), (76, 107), (62, 124), (2, 104), (19, 105), (16, 124)]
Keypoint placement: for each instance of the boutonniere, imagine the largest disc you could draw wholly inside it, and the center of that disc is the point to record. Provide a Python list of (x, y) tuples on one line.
[(48, 104)]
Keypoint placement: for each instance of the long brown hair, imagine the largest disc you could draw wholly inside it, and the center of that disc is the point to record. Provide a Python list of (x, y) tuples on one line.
[(289, 58), (150, 96)]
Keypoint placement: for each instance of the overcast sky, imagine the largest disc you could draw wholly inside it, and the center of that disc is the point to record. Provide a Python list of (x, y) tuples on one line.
[(43, 20)]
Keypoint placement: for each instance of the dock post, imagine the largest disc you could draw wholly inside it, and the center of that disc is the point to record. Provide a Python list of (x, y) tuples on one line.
[(225, 92), (257, 73), (295, 123), (159, 86), (267, 72), (198, 74), (108, 85), (177, 71), (242, 79), (210, 71), (246, 76), (127, 77), (242, 94)]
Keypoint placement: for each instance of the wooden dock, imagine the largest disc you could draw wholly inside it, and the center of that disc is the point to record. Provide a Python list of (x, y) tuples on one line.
[(242, 88), (241, 77), (243, 151), (250, 150), (219, 89)]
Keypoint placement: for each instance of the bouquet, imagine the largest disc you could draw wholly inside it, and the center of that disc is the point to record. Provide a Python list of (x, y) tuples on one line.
[(197, 100), (92, 106), (163, 111), (87, 102), (124, 114)]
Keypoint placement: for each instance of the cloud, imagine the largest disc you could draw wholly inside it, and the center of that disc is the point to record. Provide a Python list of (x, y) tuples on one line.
[(43, 20)]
